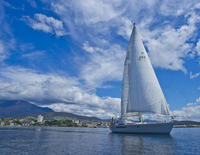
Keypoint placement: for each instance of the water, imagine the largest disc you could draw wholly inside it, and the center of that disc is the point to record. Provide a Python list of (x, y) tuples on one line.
[(86, 141)]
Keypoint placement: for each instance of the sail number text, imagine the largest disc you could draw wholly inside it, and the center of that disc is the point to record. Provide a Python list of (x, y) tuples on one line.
[(141, 57)]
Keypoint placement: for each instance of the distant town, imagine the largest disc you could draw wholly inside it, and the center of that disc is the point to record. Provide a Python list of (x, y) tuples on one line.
[(40, 121), (23, 113)]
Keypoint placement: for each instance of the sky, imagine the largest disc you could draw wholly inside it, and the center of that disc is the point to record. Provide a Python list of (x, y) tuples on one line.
[(69, 54)]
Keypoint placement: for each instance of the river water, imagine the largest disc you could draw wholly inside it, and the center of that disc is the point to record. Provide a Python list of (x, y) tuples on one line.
[(91, 141)]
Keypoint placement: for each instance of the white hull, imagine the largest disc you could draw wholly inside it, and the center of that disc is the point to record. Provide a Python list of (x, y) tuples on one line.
[(153, 128)]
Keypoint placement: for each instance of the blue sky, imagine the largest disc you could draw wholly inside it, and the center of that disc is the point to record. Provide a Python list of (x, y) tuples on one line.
[(68, 55)]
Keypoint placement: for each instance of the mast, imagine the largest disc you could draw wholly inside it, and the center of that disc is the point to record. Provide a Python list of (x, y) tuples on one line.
[(141, 91)]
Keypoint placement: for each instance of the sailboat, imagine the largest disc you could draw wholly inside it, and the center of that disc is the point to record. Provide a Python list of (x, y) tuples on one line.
[(141, 93)]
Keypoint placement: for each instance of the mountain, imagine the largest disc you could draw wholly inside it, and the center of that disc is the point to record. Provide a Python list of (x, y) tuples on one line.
[(20, 108), (15, 108), (66, 115)]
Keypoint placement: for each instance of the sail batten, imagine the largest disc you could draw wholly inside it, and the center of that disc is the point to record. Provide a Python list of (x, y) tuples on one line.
[(141, 91)]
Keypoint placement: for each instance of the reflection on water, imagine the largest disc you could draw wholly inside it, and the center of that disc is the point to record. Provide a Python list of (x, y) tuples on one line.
[(144, 144)]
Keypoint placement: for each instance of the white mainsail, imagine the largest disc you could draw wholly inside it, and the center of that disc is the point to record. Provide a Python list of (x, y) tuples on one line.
[(141, 91)]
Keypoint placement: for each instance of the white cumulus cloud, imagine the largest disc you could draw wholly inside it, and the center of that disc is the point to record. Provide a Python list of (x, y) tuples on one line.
[(51, 89), (192, 76), (103, 65), (190, 112), (198, 47), (46, 24)]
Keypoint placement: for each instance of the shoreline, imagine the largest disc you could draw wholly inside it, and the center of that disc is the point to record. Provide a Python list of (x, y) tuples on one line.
[(175, 126), (186, 126)]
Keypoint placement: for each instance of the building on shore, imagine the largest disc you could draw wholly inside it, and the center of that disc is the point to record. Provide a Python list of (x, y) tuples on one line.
[(40, 118)]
